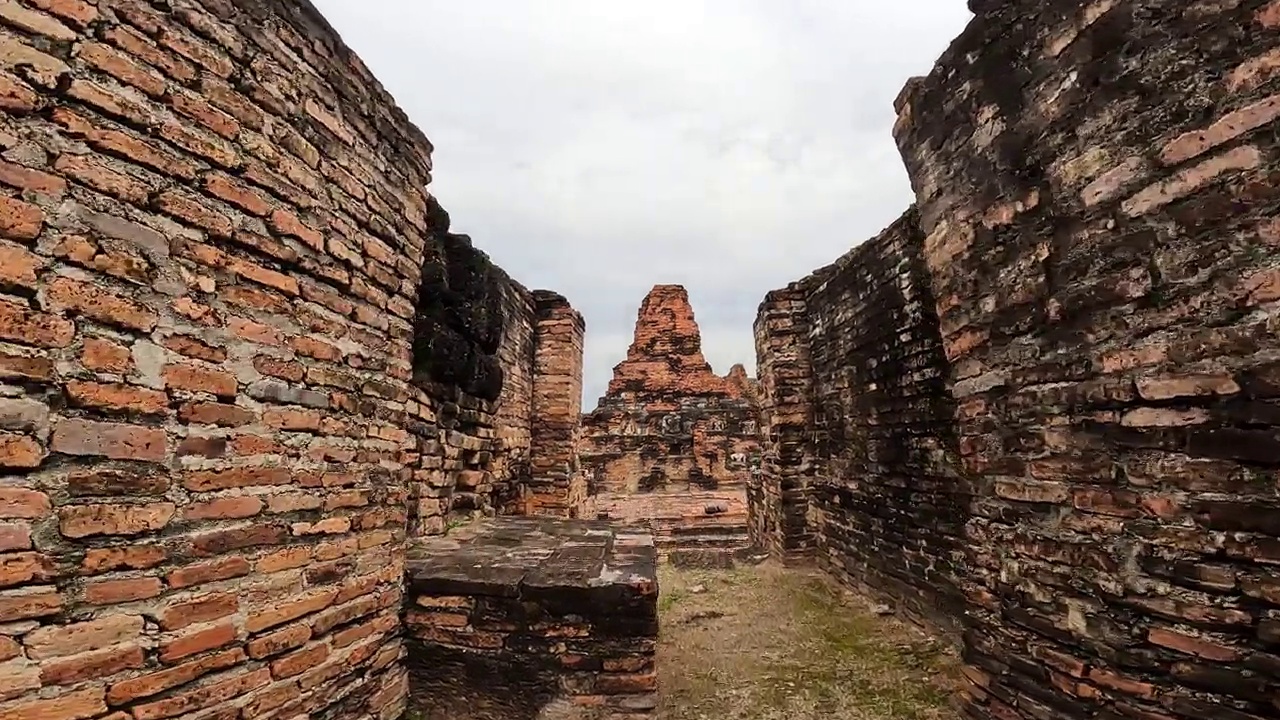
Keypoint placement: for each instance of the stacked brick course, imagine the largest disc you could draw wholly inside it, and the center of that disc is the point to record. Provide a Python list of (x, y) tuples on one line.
[(1096, 193), (531, 619), (241, 359)]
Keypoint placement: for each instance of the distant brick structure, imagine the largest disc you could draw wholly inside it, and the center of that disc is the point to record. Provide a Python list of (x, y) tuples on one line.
[(244, 360), (670, 439), (1039, 410)]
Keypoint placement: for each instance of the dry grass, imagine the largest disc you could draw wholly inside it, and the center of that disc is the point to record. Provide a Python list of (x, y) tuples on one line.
[(767, 643)]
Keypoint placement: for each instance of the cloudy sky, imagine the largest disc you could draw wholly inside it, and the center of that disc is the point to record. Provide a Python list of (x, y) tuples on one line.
[(599, 148)]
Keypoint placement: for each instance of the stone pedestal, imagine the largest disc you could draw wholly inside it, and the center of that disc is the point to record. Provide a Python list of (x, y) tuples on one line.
[(523, 618)]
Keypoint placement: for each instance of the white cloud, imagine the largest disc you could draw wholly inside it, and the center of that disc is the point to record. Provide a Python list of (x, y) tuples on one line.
[(597, 149)]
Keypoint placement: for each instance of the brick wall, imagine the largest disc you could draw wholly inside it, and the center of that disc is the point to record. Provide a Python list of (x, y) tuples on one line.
[(556, 485), (225, 400), (1096, 189), (887, 508), (778, 494)]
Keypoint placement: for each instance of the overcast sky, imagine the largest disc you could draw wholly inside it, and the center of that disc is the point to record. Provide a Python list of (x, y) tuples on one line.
[(599, 148)]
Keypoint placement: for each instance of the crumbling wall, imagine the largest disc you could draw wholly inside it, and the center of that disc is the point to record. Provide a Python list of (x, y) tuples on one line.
[(556, 485), (227, 396), (778, 494), (1096, 187), (886, 506)]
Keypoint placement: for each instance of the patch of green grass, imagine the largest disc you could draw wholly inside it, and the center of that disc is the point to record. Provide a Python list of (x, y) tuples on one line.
[(668, 599)]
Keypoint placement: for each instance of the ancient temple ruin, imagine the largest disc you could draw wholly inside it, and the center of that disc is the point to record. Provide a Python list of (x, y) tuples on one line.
[(671, 442), (277, 443)]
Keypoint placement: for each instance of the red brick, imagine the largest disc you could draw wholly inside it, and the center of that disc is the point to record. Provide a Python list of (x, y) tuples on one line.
[(23, 504), (194, 348), (262, 275), (125, 145), (279, 641), (300, 661), (111, 102), (63, 640), (78, 705), (20, 451), (35, 22), (228, 508), (9, 648), (198, 109), (197, 446), (191, 210), (19, 220), (157, 682), (143, 48), (1255, 71), (24, 568), (291, 419), (78, 521), (1192, 645), (1228, 128), (239, 477), (117, 397), (288, 224), (203, 697), (1189, 180), (184, 613), (122, 67), (238, 194), (208, 146), (1269, 16), (286, 559), (29, 602), (284, 369), (207, 572), (92, 665), (210, 638), (78, 12), (36, 181), (199, 379), (133, 557), (15, 536), (65, 293), (111, 592), (106, 356), (24, 368), (215, 414), (100, 175), (219, 542), (15, 97), (283, 612), (112, 440), (255, 331)]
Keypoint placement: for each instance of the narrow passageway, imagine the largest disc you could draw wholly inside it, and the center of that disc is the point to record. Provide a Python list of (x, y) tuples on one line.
[(772, 643)]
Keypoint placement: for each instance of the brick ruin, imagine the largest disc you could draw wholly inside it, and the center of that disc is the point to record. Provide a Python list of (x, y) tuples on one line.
[(1039, 411), (250, 378), (671, 442), (246, 367)]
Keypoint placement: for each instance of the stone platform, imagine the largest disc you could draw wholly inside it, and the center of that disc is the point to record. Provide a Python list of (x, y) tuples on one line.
[(521, 618), (684, 531)]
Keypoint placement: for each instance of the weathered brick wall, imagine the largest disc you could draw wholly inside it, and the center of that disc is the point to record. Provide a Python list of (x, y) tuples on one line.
[(1097, 184), (556, 484), (886, 505), (1096, 187), (778, 494), (225, 402)]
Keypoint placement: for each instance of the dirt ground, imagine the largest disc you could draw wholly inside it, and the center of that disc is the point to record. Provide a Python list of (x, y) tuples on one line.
[(768, 643)]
